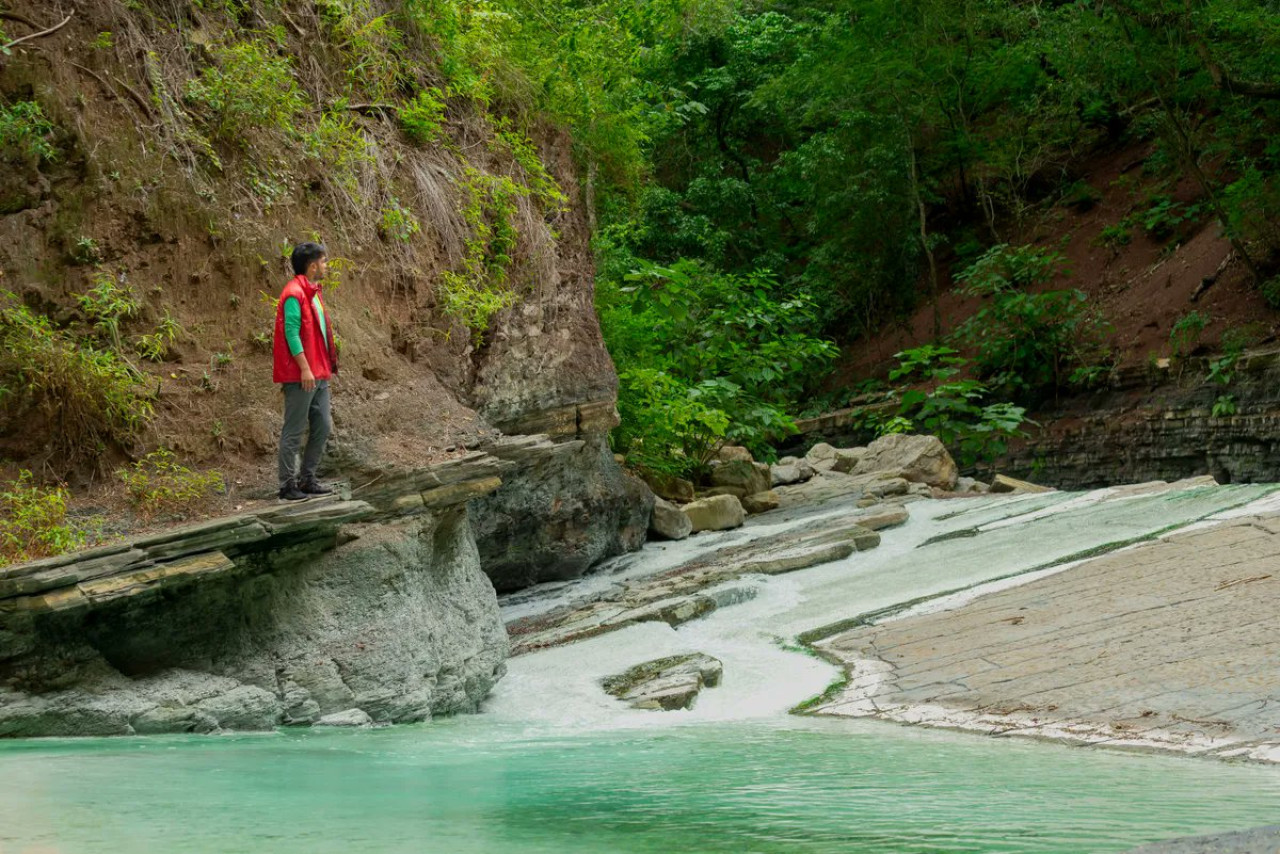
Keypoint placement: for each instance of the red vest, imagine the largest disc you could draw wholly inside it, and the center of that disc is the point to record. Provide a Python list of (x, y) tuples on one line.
[(314, 347)]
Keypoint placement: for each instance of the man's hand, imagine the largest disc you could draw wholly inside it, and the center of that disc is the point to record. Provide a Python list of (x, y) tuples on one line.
[(308, 378)]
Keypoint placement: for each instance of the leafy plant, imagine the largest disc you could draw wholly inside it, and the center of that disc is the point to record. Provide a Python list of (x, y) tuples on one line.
[(479, 290), (86, 250), (422, 118), (248, 87), (1186, 332), (86, 398), (341, 149), (1165, 216), (104, 40), (33, 521), (1224, 406), (1028, 343), (158, 483), (25, 132), (398, 223), (107, 305)]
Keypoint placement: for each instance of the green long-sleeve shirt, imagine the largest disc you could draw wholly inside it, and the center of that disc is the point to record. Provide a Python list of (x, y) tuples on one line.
[(293, 323)]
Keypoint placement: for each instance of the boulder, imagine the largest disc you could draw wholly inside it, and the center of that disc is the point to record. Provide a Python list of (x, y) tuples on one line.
[(669, 522), (919, 459), (847, 459), (349, 718), (822, 457), (666, 684), (742, 474), (718, 513), (970, 485), (669, 486), (736, 491), (1011, 485), (761, 502), (731, 453), (795, 471)]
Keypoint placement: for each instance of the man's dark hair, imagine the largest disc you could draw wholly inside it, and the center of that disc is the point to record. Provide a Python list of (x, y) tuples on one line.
[(304, 254)]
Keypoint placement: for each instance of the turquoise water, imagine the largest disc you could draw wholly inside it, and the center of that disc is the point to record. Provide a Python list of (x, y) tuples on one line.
[(465, 786)]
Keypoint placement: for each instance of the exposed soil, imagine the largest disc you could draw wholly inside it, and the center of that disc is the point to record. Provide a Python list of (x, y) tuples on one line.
[(1141, 289)]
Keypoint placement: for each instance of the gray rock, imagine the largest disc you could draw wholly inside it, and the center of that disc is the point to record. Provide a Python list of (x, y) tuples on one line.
[(399, 622), (667, 683), (922, 490), (847, 459), (761, 502), (349, 718), (820, 452), (800, 558), (970, 485), (558, 516), (669, 486), (742, 474), (1260, 840), (919, 459), (738, 492), (796, 471), (669, 522), (729, 453), (719, 513)]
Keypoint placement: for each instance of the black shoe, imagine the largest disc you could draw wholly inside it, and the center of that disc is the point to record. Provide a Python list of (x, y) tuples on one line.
[(290, 492), (311, 486)]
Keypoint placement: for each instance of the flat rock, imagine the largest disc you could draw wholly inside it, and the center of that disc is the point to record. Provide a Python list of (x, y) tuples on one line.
[(348, 718), (719, 513), (669, 522), (1259, 840), (796, 471), (1004, 484), (761, 502), (800, 558), (666, 684)]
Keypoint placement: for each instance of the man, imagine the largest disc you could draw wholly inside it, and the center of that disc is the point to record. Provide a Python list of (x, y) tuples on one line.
[(305, 359)]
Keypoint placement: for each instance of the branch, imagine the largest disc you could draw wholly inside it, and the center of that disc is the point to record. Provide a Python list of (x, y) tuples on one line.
[(41, 34)]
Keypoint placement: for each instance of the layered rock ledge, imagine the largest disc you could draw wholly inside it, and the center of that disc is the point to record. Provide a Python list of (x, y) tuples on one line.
[(1169, 645), (373, 608)]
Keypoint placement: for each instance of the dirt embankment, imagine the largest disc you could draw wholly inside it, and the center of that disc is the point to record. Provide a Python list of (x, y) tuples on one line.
[(146, 187), (1142, 281)]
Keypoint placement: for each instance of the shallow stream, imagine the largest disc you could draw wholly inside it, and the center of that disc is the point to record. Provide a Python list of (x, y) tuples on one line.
[(554, 765)]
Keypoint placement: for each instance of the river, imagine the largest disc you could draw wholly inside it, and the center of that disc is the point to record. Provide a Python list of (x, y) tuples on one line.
[(554, 765)]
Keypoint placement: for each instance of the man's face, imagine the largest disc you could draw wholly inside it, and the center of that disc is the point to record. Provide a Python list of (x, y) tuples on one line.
[(318, 268)]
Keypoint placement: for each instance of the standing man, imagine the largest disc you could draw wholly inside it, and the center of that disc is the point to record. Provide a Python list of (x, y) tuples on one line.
[(305, 359)]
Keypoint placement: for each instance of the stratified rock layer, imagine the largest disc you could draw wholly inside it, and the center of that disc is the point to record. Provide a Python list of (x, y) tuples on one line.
[(666, 684)]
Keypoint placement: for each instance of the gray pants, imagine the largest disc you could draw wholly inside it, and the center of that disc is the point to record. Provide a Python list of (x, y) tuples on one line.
[(304, 412)]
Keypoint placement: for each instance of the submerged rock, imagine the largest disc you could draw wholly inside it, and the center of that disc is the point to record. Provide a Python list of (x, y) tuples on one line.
[(349, 718), (669, 522), (666, 684), (919, 459), (718, 513)]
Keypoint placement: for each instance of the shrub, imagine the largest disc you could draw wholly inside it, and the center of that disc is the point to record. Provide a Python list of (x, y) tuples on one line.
[(158, 345), (423, 117), (247, 88), (107, 305), (158, 483), (1186, 332), (89, 398), (24, 132), (33, 521), (398, 223), (1028, 343), (340, 147), (479, 290), (666, 425)]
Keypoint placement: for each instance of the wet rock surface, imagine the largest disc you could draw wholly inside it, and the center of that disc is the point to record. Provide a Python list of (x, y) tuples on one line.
[(697, 587), (1260, 840), (1171, 644), (666, 684)]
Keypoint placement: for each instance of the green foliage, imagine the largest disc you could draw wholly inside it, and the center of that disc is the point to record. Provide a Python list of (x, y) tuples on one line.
[(86, 398), (25, 132), (480, 289), (86, 250), (247, 88), (713, 356), (1165, 216), (1115, 236), (103, 41), (108, 304), (370, 45), (158, 345), (1224, 406), (398, 223), (960, 414), (1028, 343), (422, 118), (338, 145), (157, 483), (544, 187), (1186, 332), (33, 521)]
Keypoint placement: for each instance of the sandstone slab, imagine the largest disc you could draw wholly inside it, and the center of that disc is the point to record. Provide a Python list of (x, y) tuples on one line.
[(666, 684), (1003, 484)]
